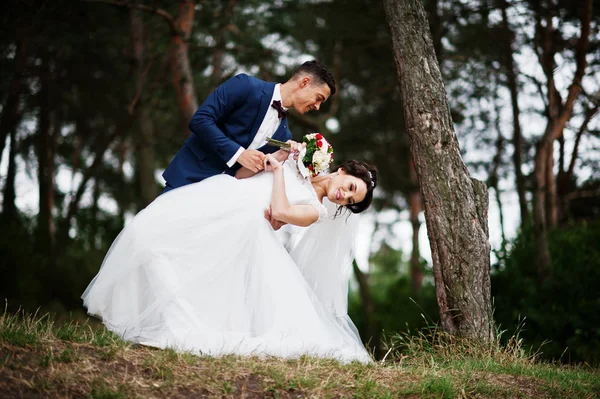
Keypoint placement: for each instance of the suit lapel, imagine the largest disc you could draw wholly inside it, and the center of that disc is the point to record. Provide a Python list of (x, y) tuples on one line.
[(265, 99)]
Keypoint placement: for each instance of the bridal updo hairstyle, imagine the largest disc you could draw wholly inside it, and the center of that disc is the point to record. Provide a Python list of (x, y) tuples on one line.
[(368, 174)]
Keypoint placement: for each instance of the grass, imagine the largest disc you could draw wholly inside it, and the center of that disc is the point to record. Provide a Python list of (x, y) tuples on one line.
[(41, 359)]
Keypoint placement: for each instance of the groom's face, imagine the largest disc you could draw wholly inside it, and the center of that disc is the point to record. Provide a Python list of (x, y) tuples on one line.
[(310, 96)]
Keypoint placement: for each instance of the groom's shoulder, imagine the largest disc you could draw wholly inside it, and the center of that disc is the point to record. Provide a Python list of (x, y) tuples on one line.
[(245, 85), (250, 80)]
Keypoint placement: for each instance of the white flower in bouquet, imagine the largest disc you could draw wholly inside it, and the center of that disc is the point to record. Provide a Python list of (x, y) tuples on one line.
[(315, 157), (321, 160)]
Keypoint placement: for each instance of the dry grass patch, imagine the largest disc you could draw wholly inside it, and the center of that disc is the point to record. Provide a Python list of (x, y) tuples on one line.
[(40, 359)]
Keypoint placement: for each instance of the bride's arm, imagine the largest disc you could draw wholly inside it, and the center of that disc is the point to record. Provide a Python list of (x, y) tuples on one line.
[(244, 173), (299, 215)]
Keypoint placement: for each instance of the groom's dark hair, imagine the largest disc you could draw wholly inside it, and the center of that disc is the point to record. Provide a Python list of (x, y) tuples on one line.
[(319, 73)]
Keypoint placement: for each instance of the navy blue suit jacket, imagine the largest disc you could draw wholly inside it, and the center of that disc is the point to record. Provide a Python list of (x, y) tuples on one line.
[(227, 120)]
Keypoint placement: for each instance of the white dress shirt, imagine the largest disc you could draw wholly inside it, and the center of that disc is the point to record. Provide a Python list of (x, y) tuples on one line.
[(267, 128)]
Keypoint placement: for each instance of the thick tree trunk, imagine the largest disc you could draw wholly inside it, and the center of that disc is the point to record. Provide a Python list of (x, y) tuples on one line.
[(511, 77), (455, 204), (180, 64), (144, 140)]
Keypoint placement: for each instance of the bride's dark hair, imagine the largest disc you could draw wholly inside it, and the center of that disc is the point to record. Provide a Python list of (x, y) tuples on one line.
[(367, 173)]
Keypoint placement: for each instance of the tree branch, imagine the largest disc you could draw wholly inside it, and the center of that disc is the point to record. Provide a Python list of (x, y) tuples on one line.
[(540, 88), (582, 129), (132, 105), (593, 98), (87, 175), (582, 194), (153, 10), (575, 88)]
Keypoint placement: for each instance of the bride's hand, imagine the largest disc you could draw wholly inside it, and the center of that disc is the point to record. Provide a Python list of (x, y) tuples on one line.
[(271, 164), (295, 148)]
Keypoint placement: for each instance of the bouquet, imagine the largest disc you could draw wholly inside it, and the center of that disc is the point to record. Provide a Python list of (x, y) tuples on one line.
[(314, 158)]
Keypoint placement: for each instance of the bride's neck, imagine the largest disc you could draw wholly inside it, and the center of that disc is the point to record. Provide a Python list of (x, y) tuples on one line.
[(319, 183)]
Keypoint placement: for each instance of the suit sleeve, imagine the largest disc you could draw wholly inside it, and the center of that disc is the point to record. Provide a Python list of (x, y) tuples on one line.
[(217, 107)]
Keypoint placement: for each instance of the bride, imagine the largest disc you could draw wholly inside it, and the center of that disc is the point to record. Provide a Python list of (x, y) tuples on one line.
[(201, 270)]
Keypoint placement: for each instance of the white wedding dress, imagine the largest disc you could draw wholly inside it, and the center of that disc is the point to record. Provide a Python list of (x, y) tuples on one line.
[(201, 270)]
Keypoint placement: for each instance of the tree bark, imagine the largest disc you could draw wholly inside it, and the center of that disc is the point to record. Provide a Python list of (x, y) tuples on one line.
[(148, 188), (511, 78), (455, 204), (436, 28), (180, 64)]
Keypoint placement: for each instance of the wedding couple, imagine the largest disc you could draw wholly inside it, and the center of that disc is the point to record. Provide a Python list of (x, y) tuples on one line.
[(201, 270)]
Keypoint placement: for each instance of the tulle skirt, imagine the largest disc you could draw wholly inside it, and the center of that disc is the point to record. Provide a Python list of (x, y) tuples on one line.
[(201, 270)]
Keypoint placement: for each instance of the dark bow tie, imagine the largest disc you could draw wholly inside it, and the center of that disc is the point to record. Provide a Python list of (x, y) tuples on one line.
[(280, 111)]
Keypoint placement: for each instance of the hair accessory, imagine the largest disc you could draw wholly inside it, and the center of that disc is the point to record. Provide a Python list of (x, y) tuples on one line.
[(372, 182)]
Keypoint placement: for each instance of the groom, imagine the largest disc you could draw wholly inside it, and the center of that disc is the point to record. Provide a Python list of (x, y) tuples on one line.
[(230, 128)]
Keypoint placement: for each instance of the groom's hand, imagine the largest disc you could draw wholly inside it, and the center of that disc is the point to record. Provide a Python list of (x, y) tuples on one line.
[(252, 160), (275, 224)]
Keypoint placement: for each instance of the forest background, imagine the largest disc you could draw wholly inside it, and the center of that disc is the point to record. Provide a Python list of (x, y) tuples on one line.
[(96, 96)]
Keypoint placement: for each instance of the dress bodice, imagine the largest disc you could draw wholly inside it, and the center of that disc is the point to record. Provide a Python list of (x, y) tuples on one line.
[(299, 190)]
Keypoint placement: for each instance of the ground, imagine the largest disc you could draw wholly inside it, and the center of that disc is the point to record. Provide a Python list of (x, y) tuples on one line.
[(39, 359)]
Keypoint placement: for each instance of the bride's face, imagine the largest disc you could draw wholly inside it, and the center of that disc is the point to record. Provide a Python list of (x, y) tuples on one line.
[(344, 189)]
